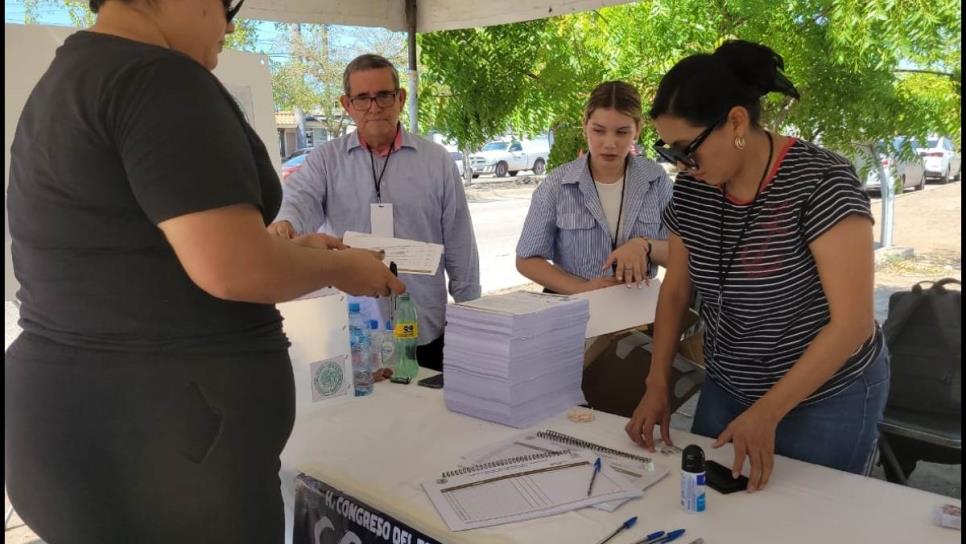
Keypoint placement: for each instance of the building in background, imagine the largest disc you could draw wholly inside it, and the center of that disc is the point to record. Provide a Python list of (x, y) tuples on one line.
[(317, 131)]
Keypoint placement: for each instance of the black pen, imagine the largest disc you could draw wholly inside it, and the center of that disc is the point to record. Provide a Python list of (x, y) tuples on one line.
[(392, 298)]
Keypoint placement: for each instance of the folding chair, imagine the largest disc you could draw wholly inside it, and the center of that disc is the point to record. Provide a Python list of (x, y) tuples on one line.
[(906, 437)]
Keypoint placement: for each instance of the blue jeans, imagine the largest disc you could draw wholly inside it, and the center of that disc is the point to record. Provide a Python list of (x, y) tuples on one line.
[(840, 432)]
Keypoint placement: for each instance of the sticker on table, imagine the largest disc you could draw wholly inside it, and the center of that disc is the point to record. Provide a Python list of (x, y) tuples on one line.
[(329, 378)]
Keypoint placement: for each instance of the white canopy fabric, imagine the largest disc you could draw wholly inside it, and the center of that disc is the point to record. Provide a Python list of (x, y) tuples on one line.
[(430, 14)]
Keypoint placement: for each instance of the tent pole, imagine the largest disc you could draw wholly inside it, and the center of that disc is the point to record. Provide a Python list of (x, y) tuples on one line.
[(413, 74)]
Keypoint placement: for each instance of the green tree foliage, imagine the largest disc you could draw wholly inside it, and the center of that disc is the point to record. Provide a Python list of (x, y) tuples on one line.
[(244, 37), (867, 69), (80, 13), (476, 82), (311, 78)]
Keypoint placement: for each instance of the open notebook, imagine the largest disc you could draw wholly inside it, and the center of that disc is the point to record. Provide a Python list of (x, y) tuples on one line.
[(642, 472), (525, 487)]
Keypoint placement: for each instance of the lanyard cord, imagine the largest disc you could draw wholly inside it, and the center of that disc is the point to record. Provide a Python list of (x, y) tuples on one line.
[(377, 181), (724, 271), (620, 210)]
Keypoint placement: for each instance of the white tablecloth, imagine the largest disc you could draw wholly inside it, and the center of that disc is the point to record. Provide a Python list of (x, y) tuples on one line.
[(379, 448)]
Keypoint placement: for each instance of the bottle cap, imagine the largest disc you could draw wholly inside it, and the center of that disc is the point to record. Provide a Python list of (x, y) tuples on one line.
[(374, 324), (353, 307), (388, 325), (692, 460)]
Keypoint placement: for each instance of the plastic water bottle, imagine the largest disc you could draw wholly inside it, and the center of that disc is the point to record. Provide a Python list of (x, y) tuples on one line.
[(375, 345), (387, 348), (406, 335), (359, 347)]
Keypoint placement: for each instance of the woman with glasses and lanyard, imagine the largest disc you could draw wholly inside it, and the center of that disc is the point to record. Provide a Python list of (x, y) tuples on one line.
[(150, 393), (775, 234), (596, 222)]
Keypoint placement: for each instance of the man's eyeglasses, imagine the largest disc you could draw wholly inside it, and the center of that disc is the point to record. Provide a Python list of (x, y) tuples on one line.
[(383, 98), (230, 11), (686, 156)]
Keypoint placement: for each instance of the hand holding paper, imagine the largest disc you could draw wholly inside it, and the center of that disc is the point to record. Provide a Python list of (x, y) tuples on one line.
[(618, 308)]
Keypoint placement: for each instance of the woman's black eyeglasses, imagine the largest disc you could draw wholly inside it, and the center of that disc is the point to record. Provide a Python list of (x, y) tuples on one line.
[(230, 12), (686, 156)]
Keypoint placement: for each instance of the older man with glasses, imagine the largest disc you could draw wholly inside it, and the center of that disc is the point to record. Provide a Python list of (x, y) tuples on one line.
[(383, 180)]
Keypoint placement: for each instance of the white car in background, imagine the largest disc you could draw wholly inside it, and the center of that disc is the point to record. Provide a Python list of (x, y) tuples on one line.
[(909, 169), (458, 157), (941, 159), (502, 157)]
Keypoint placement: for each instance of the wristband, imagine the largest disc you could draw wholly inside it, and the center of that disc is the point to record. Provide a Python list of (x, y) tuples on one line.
[(648, 271)]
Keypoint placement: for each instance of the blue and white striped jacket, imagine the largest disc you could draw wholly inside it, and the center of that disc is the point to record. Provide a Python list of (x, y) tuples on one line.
[(566, 222)]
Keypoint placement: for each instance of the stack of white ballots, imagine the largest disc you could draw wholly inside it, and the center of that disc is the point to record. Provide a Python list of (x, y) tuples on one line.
[(515, 358)]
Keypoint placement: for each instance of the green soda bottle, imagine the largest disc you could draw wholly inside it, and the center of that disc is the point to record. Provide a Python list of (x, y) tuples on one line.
[(406, 336)]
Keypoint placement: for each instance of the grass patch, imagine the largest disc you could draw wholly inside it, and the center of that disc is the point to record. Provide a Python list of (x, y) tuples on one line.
[(922, 265)]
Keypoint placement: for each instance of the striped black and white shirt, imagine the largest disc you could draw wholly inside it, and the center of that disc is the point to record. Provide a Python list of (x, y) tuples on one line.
[(772, 303)]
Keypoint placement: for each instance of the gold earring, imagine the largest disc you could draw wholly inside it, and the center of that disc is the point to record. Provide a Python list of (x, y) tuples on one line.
[(740, 142)]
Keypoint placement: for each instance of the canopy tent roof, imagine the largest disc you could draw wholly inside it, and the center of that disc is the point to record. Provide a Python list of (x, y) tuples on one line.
[(430, 14)]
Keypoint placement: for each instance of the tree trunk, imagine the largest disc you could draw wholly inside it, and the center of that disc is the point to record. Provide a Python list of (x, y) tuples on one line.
[(467, 168)]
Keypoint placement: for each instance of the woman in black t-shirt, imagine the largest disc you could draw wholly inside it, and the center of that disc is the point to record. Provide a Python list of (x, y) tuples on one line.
[(150, 393), (776, 236)]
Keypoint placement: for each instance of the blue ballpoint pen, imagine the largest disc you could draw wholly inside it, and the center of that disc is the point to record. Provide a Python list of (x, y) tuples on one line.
[(627, 525), (673, 535), (651, 537), (590, 487)]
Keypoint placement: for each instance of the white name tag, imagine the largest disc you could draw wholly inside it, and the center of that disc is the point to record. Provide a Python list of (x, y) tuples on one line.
[(380, 220)]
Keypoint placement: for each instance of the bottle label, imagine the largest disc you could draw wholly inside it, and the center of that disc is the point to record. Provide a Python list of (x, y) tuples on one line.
[(406, 330), (692, 491)]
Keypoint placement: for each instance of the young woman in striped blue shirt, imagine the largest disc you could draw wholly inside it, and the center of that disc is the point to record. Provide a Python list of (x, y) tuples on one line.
[(596, 221), (776, 235)]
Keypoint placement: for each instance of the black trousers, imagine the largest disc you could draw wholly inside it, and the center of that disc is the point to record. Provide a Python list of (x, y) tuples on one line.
[(431, 355), (113, 447)]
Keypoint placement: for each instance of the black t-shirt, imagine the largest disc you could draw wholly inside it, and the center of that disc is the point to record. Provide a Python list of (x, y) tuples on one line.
[(117, 137)]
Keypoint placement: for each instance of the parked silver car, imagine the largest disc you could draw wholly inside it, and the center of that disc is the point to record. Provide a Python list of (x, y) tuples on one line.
[(902, 163), (941, 159)]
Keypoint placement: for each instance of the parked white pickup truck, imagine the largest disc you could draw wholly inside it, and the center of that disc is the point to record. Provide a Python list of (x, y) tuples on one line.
[(509, 157)]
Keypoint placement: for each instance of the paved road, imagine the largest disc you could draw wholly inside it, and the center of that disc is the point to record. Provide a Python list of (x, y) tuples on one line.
[(497, 224)]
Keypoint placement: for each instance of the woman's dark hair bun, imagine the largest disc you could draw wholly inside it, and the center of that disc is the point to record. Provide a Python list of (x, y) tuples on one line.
[(758, 65)]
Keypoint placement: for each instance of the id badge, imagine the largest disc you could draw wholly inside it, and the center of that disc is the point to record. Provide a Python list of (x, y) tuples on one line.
[(380, 220)]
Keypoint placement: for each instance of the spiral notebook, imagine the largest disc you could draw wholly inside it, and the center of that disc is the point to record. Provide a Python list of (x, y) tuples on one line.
[(523, 487), (640, 470)]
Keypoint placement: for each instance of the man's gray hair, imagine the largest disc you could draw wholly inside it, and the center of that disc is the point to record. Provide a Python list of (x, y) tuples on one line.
[(365, 62)]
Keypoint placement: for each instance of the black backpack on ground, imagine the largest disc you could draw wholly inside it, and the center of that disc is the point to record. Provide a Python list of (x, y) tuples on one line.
[(922, 332)]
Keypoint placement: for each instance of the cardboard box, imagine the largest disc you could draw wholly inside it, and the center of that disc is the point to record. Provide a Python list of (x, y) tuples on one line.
[(616, 367)]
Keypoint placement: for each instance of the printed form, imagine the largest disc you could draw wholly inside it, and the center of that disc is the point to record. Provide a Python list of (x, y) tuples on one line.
[(410, 256), (494, 494)]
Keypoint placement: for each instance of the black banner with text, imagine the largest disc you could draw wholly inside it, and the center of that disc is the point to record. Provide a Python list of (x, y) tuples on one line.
[(325, 515)]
